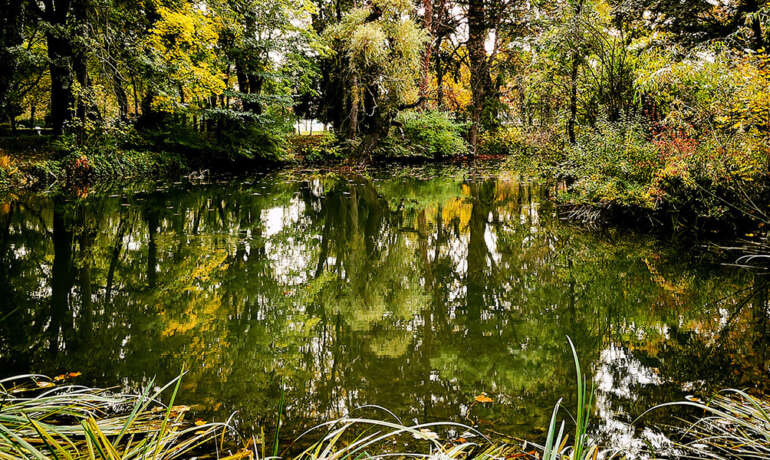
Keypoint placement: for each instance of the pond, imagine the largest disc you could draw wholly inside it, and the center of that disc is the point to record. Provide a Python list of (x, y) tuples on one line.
[(416, 289)]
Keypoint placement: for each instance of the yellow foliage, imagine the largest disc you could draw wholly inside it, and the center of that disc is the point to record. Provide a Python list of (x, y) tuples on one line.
[(185, 40), (750, 110)]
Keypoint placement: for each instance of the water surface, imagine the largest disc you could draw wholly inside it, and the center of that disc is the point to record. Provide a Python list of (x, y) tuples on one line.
[(416, 289)]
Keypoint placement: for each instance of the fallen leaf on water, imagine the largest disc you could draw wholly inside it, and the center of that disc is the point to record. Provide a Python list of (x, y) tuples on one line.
[(531, 453), (483, 398), (66, 376), (180, 408), (240, 454)]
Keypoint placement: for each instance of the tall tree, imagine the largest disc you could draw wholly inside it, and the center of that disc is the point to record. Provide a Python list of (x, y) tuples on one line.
[(11, 23), (381, 44), (486, 21)]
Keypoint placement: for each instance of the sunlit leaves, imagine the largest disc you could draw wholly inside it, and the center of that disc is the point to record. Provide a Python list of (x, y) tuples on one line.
[(184, 41), (383, 47)]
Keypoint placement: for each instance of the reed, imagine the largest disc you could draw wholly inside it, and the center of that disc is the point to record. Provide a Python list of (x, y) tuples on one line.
[(583, 447), (733, 425), (42, 419)]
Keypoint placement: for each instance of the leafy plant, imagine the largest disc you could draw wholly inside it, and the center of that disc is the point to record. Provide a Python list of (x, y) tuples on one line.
[(322, 147), (429, 134)]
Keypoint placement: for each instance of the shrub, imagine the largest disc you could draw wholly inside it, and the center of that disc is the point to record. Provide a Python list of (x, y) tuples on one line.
[(504, 141), (231, 138), (613, 163), (533, 151), (429, 134), (315, 148)]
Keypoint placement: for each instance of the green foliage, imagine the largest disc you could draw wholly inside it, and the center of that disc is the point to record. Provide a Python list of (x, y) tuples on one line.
[(691, 93), (383, 52), (613, 164), (105, 152), (250, 140), (503, 141), (317, 148), (380, 45), (125, 164), (430, 134)]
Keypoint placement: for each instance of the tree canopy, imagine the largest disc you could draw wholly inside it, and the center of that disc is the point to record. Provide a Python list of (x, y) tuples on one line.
[(232, 76)]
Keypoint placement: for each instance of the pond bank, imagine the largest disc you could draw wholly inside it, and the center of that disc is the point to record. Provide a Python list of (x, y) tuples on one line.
[(30, 164)]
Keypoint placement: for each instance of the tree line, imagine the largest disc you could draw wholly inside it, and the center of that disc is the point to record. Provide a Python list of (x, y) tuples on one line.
[(237, 73)]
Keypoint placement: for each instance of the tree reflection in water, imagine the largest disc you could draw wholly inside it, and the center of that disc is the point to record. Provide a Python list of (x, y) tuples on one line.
[(415, 292)]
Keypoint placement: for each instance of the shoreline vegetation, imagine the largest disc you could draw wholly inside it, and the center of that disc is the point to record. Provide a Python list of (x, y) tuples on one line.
[(715, 207), (52, 418), (639, 111)]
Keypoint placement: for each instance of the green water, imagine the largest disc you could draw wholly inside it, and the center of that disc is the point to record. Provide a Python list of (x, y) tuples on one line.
[(415, 289)]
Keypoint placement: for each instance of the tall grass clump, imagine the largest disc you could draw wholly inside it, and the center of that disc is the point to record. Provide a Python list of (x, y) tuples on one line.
[(377, 438), (732, 425), (42, 419), (556, 443)]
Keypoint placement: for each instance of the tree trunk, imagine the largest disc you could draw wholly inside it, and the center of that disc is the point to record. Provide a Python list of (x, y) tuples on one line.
[(572, 99), (439, 78), (354, 103), (60, 68), (120, 97), (750, 7), (573, 84), (10, 36), (426, 56), (477, 34)]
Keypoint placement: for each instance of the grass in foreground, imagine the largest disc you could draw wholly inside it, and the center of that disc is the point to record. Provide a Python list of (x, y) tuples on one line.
[(42, 420), (733, 425)]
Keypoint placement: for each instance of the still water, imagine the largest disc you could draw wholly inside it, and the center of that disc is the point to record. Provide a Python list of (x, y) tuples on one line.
[(416, 289)]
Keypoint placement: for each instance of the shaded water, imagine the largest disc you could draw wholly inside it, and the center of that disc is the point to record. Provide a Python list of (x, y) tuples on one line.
[(416, 290)]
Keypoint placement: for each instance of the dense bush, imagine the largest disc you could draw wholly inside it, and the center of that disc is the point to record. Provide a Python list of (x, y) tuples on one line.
[(229, 139), (697, 145), (81, 167), (503, 141), (105, 151), (429, 134), (314, 148), (613, 163), (632, 165), (531, 150)]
